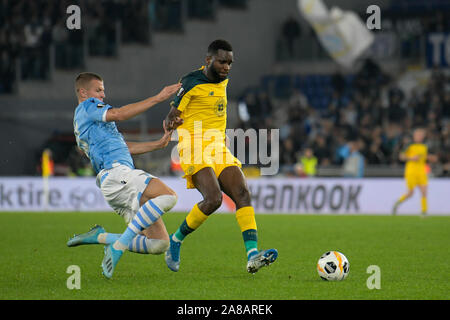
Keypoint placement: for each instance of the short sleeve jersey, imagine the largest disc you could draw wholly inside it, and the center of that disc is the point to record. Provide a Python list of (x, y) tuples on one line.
[(202, 101), (416, 167), (100, 140)]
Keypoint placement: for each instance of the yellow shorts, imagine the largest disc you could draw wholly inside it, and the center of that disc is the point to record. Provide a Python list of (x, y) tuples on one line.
[(216, 156), (414, 180)]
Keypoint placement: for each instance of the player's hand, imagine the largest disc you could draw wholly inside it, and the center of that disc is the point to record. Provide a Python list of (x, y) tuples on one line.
[(164, 141), (166, 128), (177, 122), (173, 124), (168, 91)]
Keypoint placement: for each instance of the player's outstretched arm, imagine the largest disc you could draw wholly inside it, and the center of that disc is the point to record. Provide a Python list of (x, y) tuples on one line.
[(149, 146), (131, 110)]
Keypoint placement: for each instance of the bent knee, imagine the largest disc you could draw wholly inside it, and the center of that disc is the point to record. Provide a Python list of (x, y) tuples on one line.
[(171, 192), (166, 201), (242, 197), (213, 202), (159, 246)]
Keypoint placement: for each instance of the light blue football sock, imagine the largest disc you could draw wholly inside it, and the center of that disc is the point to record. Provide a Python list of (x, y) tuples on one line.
[(140, 243), (148, 214), (112, 237)]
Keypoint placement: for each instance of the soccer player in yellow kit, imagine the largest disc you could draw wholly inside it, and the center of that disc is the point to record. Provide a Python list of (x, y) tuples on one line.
[(416, 156), (199, 112)]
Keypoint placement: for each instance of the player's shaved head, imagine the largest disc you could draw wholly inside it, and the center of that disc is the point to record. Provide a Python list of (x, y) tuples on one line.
[(217, 45), (83, 80)]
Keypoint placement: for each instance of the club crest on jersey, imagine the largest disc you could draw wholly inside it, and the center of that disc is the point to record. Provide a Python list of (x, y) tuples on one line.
[(190, 170), (219, 107)]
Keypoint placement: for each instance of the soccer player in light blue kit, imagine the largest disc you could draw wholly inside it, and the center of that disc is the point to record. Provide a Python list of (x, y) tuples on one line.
[(140, 198)]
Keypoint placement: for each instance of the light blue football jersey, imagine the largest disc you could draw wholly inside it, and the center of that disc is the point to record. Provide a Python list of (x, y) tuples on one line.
[(100, 140)]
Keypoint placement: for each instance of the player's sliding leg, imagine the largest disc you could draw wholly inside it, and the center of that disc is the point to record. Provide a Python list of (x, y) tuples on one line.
[(155, 201), (402, 199), (90, 237), (139, 244), (206, 183), (232, 182), (148, 214), (154, 240)]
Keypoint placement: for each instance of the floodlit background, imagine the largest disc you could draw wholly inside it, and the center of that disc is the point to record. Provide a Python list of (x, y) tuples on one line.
[(354, 117)]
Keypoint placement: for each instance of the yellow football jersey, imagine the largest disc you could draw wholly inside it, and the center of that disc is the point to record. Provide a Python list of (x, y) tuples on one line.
[(203, 104), (418, 166), (201, 137)]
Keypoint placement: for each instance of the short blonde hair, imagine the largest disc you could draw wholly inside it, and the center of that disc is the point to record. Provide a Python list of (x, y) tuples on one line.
[(83, 79)]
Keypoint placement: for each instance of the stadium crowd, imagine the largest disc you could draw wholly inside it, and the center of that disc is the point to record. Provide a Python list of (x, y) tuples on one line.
[(372, 116), (28, 28)]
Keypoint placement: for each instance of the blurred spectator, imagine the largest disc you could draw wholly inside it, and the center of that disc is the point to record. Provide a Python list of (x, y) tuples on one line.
[(255, 109), (396, 112), (354, 163), (287, 156), (375, 154), (102, 30), (60, 35), (322, 151), (349, 115), (35, 54), (264, 105), (369, 78), (298, 100), (306, 166), (75, 50)]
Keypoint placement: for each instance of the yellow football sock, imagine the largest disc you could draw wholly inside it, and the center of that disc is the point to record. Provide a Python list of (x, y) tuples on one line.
[(245, 217), (193, 220), (195, 217), (402, 198), (424, 204)]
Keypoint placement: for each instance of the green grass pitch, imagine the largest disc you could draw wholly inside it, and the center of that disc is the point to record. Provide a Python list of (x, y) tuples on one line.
[(412, 253)]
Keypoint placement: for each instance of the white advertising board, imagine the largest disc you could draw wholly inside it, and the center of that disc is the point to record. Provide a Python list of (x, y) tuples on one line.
[(269, 195)]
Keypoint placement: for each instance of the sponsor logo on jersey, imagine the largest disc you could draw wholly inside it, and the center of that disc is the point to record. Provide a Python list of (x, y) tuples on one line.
[(181, 92)]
